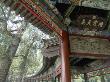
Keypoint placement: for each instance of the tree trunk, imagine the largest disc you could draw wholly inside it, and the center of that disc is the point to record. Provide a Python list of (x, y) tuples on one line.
[(23, 69), (4, 68), (6, 60)]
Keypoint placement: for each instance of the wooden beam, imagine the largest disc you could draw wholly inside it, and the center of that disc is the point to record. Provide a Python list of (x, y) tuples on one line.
[(89, 55), (96, 36), (42, 16)]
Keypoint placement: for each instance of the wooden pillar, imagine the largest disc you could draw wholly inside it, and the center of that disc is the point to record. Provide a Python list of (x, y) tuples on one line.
[(65, 52)]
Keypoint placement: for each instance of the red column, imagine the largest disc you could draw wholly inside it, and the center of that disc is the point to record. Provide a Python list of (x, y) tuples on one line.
[(65, 52)]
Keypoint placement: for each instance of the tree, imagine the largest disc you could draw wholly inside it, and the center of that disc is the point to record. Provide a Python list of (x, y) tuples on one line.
[(8, 40), (20, 44)]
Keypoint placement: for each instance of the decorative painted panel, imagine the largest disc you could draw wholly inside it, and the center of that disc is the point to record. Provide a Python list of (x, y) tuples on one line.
[(89, 45), (99, 72), (91, 22), (98, 68)]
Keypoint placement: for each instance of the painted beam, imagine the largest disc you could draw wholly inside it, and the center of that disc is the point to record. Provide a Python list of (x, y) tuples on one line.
[(43, 17), (85, 46)]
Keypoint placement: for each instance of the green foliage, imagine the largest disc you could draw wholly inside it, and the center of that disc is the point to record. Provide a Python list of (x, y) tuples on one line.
[(5, 42), (28, 52)]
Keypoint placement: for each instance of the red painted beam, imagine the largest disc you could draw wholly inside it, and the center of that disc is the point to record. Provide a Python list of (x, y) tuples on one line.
[(51, 26), (58, 70), (46, 14)]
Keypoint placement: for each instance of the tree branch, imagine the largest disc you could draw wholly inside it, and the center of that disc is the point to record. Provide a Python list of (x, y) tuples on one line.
[(3, 12), (18, 21), (2, 20), (8, 15)]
